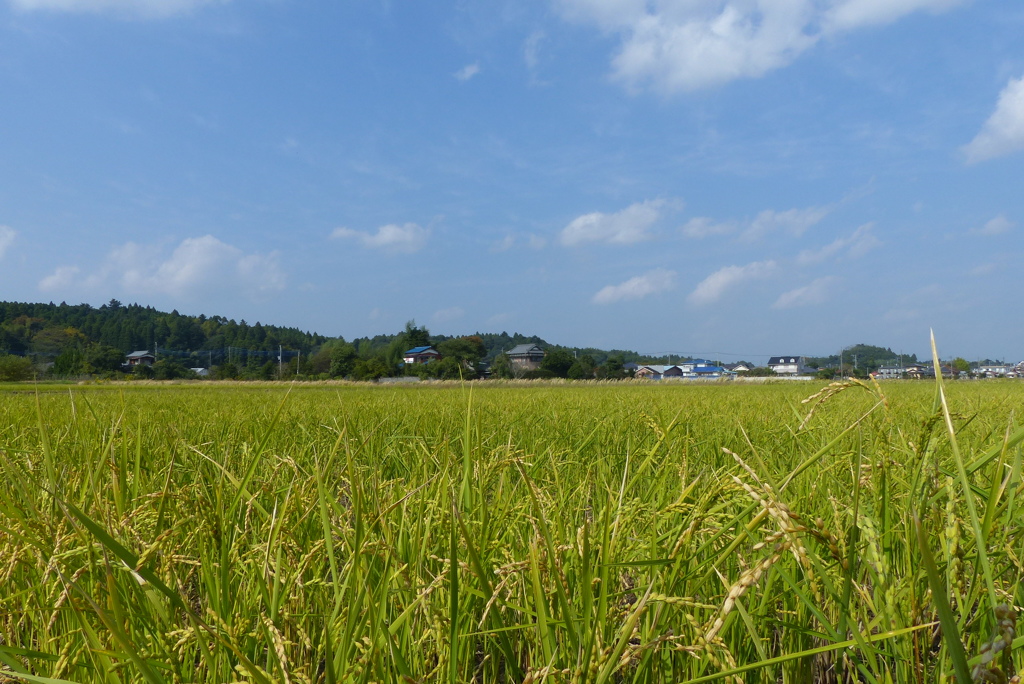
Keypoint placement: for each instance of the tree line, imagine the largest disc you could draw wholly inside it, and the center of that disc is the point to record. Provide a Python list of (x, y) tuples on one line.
[(64, 340)]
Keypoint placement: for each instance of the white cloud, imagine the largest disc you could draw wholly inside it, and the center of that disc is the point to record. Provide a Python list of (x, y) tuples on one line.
[(652, 282), (451, 314), (467, 72), (625, 227), (856, 245), (140, 8), (852, 14), (195, 266), (811, 294), (795, 222), (7, 236), (673, 45), (996, 226), (406, 239), (712, 288), (1003, 133), (702, 227), (60, 279)]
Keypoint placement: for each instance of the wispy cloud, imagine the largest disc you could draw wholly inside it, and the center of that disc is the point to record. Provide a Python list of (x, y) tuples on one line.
[(995, 226), (983, 269), (7, 235), (406, 239), (814, 293), (702, 227), (467, 72), (652, 282), (794, 222), (450, 314), (1003, 133), (625, 227), (855, 246), (531, 54), (154, 9), (683, 46), (511, 240), (712, 288), (194, 266)]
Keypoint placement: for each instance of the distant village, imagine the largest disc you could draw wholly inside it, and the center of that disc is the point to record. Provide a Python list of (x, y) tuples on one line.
[(528, 359), (79, 342)]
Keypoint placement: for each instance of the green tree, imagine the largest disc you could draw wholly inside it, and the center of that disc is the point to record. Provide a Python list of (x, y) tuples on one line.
[(466, 350), (612, 369), (144, 372), (71, 361), (370, 369), (226, 371), (415, 337), (343, 361), (502, 367), (961, 365), (759, 372), (584, 368), (557, 362), (450, 368), (103, 359), (168, 369), (15, 368)]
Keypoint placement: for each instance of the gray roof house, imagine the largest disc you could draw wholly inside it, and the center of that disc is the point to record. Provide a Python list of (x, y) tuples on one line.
[(525, 357), (143, 358)]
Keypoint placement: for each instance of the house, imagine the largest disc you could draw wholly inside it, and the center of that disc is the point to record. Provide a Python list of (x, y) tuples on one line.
[(525, 357), (789, 365), (917, 371), (740, 367), (420, 355), (995, 370), (708, 371), (890, 372), (141, 358), (656, 372)]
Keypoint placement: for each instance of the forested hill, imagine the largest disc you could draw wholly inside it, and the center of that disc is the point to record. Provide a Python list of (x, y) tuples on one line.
[(47, 329)]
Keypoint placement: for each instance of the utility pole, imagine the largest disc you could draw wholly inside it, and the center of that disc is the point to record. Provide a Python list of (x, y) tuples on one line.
[(280, 362)]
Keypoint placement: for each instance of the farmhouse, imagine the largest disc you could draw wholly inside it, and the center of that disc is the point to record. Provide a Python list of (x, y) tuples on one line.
[(141, 358), (526, 357), (420, 355)]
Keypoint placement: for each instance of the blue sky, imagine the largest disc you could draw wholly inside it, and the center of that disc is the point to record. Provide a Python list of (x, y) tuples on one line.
[(714, 177)]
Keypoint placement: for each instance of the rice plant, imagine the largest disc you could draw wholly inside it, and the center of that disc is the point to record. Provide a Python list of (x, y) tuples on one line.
[(567, 533)]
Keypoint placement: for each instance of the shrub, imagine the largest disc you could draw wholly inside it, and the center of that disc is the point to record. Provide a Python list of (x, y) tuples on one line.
[(15, 368)]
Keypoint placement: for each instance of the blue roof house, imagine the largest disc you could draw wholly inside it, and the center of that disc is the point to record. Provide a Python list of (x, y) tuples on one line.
[(420, 355)]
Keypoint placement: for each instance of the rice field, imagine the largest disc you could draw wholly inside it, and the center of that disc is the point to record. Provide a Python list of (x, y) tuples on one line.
[(511, 533)]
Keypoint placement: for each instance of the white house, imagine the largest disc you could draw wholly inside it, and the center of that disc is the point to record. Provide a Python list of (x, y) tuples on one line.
[(789, 365)]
